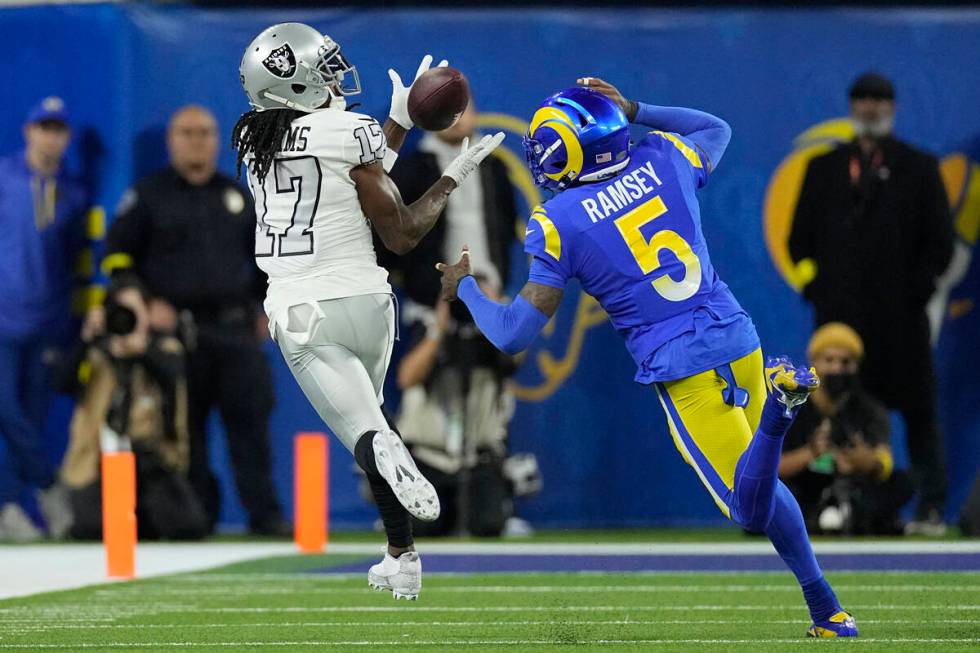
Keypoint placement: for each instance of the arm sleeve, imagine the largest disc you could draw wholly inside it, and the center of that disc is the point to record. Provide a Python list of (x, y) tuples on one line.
[(710, 134), (126, 240), (510, 327)]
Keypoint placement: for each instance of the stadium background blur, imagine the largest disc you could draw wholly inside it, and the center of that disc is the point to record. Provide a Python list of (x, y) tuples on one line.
[(773, 74)]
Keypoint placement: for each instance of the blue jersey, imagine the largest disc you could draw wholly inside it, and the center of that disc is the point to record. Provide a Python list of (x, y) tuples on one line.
[(635, 244), (42, 229)]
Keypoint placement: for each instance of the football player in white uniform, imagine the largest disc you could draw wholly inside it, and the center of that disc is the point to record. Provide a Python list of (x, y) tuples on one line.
[(319, 177)]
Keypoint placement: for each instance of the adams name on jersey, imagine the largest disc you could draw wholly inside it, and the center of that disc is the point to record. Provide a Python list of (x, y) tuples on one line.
[(312, 238)]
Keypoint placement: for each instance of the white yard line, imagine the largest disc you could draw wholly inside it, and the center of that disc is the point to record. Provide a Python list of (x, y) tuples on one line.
[(668, 548), (181, 589), (47, 625), (150, 609), (32, 569), (401, 643), (78, 612)]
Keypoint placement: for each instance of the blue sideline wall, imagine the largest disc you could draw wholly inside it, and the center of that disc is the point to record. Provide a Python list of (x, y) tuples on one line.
[(602, 441)]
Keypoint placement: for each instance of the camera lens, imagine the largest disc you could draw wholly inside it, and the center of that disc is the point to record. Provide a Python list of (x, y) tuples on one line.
[(119, 320)]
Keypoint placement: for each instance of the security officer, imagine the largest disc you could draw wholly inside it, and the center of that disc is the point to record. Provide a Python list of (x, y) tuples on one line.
[(189, 233)]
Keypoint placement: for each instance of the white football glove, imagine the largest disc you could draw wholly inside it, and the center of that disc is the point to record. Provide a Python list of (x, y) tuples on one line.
[(470, 157), (399, 92)]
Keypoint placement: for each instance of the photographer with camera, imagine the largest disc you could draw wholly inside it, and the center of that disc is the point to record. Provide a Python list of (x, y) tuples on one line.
[(454, 417), (837, 459), (131, 390), (456, 407), (188, 232)]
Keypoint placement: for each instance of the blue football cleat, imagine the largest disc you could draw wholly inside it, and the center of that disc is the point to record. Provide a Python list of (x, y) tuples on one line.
[(790, 385), (840, 625)]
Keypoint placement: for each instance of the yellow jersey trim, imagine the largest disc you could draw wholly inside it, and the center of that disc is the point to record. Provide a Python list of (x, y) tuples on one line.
[(552, 241), (689, 154)]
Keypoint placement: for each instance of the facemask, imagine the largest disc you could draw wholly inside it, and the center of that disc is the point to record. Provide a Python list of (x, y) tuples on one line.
[(837, 385), (874, 128)]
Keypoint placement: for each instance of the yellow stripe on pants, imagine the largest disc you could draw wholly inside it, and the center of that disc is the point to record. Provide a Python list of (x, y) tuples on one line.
[(710, 434)]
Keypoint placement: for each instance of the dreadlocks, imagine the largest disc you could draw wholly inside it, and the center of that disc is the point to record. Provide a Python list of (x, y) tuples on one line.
[(261, 133)]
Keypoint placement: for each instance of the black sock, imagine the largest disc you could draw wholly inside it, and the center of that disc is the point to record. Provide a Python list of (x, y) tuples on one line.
[(396, 520), (364, 453)]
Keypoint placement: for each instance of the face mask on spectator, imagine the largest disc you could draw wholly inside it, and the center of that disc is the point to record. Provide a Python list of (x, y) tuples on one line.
[(877, 127), (838, 385)]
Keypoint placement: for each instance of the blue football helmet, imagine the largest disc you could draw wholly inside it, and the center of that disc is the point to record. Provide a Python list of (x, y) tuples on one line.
[(576, 136)]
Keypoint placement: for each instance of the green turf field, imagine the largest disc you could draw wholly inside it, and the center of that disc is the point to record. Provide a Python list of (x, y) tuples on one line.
[(275, 604)]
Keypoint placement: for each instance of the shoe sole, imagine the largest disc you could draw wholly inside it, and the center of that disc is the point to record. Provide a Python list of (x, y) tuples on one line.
[(413, 490), (793, 385), (396, 594)]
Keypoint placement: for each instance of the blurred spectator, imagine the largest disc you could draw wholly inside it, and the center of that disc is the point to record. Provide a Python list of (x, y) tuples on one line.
[(873, 224), (454, 382), (481, 213), (188, 232), (131, 386), (42, 228), (454, 416), (837, 459)]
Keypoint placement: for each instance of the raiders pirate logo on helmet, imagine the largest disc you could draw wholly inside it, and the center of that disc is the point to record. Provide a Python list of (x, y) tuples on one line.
[(281, 62)]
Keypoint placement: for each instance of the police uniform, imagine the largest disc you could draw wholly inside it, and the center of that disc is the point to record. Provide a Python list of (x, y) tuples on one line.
[(193, 247)]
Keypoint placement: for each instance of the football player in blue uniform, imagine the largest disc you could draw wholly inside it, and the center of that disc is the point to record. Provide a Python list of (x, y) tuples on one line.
[(627, 225)]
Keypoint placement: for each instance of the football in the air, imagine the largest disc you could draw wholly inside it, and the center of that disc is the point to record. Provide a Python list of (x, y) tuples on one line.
[(437, 99)]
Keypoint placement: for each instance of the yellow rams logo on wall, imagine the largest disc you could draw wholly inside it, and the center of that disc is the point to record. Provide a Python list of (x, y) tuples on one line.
[(961, 178), (784, 190), (553, 370)]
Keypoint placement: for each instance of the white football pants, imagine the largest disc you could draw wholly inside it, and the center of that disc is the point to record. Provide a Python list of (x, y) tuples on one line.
[(339, 350)]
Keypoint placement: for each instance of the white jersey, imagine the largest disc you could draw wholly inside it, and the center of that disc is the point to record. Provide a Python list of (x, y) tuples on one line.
[(311, 236)]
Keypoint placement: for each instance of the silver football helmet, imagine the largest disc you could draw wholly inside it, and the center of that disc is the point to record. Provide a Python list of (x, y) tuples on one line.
[(292, 65)]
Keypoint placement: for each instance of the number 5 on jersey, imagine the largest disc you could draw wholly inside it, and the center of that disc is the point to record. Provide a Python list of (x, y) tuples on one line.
[(291, 189), (647, 253)]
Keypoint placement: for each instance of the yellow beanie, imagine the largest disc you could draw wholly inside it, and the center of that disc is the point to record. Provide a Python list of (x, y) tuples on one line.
[(835, 334)]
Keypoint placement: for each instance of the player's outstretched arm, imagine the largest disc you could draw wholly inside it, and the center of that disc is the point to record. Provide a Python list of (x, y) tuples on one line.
[(708, 132), (401, 227), (510, 327)]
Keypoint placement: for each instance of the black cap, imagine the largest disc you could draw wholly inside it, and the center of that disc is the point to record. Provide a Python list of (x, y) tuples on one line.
[(872, 86)]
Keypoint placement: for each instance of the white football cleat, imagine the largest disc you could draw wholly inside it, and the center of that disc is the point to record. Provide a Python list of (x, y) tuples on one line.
[(412, 489), (401, 575)]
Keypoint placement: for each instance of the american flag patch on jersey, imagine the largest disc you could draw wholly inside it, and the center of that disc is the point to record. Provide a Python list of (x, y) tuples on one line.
[(605, 157)]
